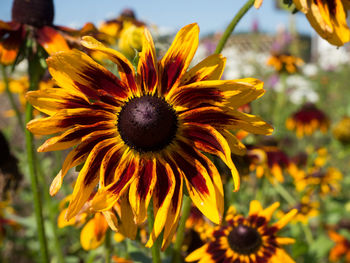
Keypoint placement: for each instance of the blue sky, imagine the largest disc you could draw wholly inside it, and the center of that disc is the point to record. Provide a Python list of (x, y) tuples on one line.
[(210, 15)]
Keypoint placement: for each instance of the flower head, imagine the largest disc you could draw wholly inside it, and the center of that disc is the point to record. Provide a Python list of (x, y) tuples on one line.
[(341, 131), (143, 135), (307, 120), (35, 17), (285, 63), (247, 239)]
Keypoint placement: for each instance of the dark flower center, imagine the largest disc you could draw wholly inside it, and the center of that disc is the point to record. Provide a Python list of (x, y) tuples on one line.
[(147, 123), (36, 13), (244, 240)]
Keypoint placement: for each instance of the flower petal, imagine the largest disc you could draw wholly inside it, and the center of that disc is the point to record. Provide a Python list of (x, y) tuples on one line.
[(141, 189), (147, 69), (210, 68), (125, 173), (79, 155), (88, 177), (177, 59), (285, 219), (67, 118), (93, 233), (9, 47), (162, 196), (76, 70), (199, 184), (126, 70), (73, 136), (51, 40)]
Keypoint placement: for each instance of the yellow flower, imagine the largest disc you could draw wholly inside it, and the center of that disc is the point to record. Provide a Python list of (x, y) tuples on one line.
[(285, 63), (143, 135), (130, 41), (328, 18), (247, 239), (307, 120), (341, 131)]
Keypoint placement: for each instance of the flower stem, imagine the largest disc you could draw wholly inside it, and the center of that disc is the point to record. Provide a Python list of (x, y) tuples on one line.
[(10, 96), (180, 234), (233, 25), (108, 246), (285, 194), (156, 246), (33, 173)]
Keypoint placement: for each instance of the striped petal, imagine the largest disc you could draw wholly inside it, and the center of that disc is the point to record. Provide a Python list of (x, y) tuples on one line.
[(73, 136), (210, 68), (126, 70), (162, 197), (127, 226), (125, 173), (88, 177), (199, 184), (67, 118), (177, 59), (51, 40), (141, 189), (79, 155), (173, 216), (76, 70), (147, 69)]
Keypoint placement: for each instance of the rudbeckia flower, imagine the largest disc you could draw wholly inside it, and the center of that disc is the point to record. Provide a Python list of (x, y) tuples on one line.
[(36, 17), (307, 209), (270, 161), (341, 248), (144, 135), (285, 63), (328, 18), (247, 239), (323, 181), (307, 120)]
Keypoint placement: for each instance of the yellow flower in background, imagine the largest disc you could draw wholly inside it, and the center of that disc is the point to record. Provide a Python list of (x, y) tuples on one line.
[(307, 120), (328, 18), (341, 248), (307, 209), (143, 135), (341, 130), (323, 181), (5, 222), (130, 41), (270, 161), (247, 239), (285, 63)]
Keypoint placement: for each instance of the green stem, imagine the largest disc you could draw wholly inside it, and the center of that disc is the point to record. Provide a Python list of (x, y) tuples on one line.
[(156, 246), (10, 96), (285, 194), (33, 84), (108, 246), (308, 234), (180, 234), (233, 25)]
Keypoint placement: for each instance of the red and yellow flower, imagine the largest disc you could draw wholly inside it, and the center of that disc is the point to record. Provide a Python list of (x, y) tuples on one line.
[(270, 161), (307, 120), (143, 135), (247, 239)]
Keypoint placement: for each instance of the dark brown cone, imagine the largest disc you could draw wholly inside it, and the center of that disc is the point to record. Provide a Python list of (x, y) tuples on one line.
[(36, 13)]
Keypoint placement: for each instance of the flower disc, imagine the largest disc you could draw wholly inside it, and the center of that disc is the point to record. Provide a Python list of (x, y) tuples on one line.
[(147, 123), (244, 239)]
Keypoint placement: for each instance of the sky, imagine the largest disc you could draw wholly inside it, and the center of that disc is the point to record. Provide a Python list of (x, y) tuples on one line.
[(212, 16)]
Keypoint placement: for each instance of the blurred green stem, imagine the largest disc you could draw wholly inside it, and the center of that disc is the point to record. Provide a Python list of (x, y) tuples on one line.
[(278, 118), (33, 172), (285, 194), (108, 246), (233, 25), (10, 96), (156, 246), (180, 233), (308, 233)]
